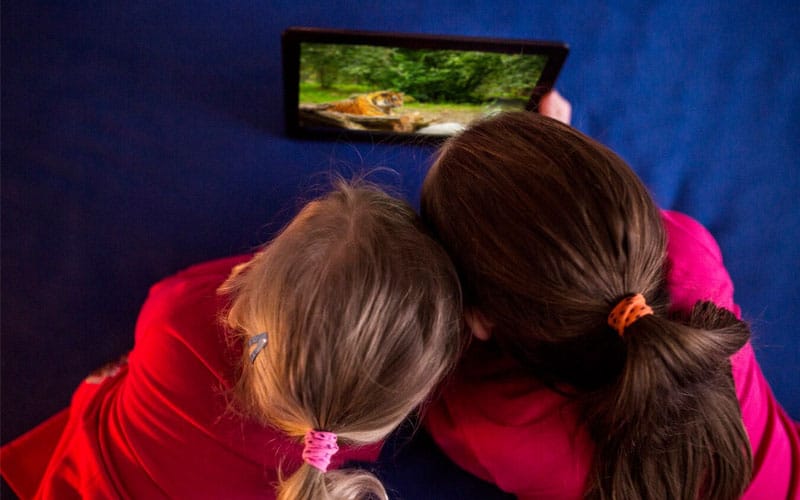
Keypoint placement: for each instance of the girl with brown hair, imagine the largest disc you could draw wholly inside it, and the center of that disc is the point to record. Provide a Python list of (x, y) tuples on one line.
[(615, 364), (330, 336)]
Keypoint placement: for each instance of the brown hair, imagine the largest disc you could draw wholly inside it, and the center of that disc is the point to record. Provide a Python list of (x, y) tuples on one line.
[(549, 230), (362, 309)]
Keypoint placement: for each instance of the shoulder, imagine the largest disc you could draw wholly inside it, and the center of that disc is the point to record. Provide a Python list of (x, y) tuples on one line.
[(685, 234), (696, 268), (490, 416), (186, 290), (186, 303), (200, 275), (179, 325)]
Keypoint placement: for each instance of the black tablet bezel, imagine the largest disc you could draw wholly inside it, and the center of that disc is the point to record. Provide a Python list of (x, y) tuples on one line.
[(291, 39)]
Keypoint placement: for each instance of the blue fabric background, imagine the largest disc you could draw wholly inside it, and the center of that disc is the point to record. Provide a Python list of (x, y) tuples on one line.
[(141, 137)]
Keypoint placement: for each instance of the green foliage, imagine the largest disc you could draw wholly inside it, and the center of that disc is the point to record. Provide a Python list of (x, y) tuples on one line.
[(313, 93), (320, 63), (429, 76)]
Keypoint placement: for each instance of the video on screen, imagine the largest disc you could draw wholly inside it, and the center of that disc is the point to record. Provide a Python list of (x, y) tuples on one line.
[(409, 91)]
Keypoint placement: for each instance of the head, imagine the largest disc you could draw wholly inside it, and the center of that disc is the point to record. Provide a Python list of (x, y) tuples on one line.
[(539, 218), (387, 99), (549, 230), (362, 311)]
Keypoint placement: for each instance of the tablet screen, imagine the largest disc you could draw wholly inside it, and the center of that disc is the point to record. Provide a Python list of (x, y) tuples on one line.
[(366, 84)]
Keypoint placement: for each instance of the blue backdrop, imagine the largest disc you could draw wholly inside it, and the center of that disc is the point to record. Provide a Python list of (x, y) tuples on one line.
[(141, 137)]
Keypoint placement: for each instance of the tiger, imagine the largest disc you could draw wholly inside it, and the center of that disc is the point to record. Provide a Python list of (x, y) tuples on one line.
[(378, 103)]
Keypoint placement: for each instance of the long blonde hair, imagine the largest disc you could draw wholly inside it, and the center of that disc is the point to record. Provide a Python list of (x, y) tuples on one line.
[(363, 314)]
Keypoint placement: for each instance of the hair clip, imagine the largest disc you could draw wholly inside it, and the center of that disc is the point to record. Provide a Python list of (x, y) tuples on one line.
[(259, 341)]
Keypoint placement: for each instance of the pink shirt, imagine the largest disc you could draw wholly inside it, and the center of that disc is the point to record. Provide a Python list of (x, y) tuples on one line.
[(507, 428)]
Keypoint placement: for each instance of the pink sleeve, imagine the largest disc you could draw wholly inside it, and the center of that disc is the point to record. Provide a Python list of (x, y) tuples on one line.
[(449, 436), (697, 273), (773, 435), (696, 269)]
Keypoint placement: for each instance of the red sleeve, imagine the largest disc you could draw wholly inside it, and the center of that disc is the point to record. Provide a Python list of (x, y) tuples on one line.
[(23, 461)]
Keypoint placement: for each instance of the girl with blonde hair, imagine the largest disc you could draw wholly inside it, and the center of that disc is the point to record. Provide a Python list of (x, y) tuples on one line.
[(329, 337)]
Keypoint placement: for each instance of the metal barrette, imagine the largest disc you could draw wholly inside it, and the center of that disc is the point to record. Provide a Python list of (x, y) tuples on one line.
[(259, 341)]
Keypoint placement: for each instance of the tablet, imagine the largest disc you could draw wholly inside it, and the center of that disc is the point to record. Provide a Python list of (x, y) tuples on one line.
[(368, 85)]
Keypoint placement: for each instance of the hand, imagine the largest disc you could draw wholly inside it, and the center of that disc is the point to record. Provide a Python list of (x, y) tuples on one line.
[(555, 106)]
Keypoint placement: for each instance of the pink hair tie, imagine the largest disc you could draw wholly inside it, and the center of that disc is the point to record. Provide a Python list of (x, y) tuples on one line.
[(320, 447)]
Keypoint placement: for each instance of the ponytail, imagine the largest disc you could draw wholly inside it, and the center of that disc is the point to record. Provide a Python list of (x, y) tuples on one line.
[(671, 427), (313, 481), (310, 483)]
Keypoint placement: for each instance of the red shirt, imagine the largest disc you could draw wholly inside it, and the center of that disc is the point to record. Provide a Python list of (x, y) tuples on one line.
[(497, 422), (162, 425)]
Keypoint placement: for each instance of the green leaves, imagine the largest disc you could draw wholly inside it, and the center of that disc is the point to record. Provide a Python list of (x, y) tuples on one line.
[(436, 76)]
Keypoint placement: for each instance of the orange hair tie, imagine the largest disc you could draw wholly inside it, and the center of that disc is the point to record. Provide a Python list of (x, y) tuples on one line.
[(627, 311)]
